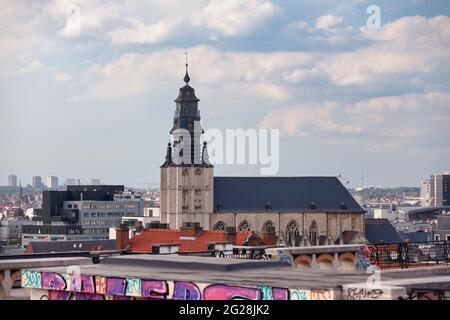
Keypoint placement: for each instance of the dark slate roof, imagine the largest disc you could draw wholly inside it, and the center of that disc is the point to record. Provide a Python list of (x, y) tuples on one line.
[(380, 231), (71, 245), (418, 236), (285, 194)]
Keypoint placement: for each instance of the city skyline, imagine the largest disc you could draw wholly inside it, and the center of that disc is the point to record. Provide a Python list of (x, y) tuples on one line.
[(95, 100)]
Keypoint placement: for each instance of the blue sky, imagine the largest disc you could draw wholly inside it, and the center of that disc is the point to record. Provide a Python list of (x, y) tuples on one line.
[(87, 87)]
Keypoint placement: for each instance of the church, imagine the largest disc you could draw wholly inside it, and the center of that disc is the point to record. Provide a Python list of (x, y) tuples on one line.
[(300, 211)]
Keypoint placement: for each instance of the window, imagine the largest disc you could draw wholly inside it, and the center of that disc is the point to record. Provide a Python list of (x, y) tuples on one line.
[(244, 226), (314, 234), (69, 206), (447, 237), (268, 226), (292, 234), (437, 237), (219, 226)]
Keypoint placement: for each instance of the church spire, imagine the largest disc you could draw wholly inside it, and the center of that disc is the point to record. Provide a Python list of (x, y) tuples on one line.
[(186, 76)]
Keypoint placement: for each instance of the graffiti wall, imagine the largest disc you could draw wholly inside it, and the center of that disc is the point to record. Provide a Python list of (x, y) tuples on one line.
[(363, 263), (55, 286)]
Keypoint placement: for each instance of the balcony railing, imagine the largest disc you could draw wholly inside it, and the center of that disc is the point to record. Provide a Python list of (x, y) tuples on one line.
[(407, 255)]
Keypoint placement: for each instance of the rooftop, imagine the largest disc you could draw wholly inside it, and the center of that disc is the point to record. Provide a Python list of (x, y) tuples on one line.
[(150, 237), (288, 194)]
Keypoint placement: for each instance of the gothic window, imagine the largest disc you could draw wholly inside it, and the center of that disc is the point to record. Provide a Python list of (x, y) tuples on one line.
[(292, 234), (268, 226), (314, 234), (198, 172), (220, 226), (185, 172), (244, 226)]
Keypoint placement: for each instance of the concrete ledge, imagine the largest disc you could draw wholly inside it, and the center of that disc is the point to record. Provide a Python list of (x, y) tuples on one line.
[(363, 291), (42, 262)]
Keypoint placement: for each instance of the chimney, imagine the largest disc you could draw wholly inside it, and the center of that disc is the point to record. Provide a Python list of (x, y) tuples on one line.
[(122, 236), (230, 235), (138, 227), (269, 237), (191, 229)]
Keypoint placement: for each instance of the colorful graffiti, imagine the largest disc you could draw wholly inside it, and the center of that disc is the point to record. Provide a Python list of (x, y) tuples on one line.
[(284, 256), (31, 279), (363, 259), (55, 286)]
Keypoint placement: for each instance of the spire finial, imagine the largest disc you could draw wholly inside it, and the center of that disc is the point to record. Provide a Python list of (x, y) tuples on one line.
[(186, 77)]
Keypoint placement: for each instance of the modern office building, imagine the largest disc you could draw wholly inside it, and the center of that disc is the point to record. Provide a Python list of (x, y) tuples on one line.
[(81, 212), (440, 189), (12, 180), (52, 183)]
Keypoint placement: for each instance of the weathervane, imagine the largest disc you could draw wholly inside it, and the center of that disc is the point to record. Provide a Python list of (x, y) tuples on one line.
[(186, 77)]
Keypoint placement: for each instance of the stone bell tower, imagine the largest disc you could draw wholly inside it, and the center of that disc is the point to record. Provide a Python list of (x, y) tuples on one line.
[(186, 175)]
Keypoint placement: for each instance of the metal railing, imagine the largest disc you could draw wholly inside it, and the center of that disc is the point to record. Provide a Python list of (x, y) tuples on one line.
[(252, 254), (409, 254)]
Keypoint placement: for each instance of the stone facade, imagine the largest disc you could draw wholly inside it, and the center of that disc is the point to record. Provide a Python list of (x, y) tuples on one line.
[(186, 195), (328, 224)]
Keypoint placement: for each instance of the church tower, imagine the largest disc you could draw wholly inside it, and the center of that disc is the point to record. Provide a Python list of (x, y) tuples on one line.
[(186, 175)]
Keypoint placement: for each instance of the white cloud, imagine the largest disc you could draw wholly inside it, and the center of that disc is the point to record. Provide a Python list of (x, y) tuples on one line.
[(140, 33), (386, 122), (310, 119), (254, 74), (233, 17), (328, 21), (30, 67), (62, 77), (415, 29)]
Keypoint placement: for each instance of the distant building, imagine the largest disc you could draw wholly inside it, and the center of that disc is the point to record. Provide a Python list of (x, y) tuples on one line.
[(69, 246), (381, 231), (81, 212), (12, 180), (36, 182), (11, 230), (442, 231), (390, 212), (417, 236), (52, 183), (425, 193), (440, 189), (96, 182), (72, 182), (151, 209)]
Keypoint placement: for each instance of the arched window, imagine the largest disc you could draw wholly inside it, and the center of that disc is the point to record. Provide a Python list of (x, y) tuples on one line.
[(268, 226), (314, 234), (220, 226), (244, 226), (292, 234)]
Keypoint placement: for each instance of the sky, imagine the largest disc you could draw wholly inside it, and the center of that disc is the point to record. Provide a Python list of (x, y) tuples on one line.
[(87, 87)]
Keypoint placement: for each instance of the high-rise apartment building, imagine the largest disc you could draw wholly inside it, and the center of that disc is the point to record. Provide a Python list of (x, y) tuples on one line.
[(52, 183), (36, 182), (12, 180)]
